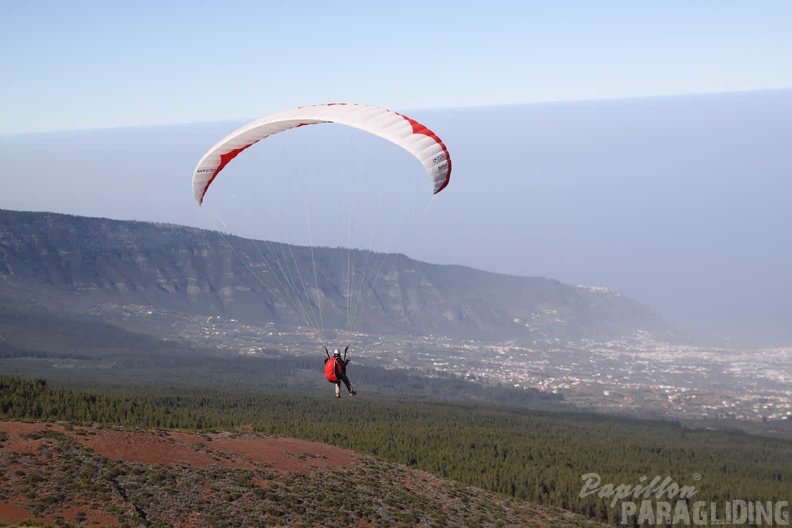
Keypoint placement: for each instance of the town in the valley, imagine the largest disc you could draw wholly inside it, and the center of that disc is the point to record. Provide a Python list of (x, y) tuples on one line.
[(637, 375)]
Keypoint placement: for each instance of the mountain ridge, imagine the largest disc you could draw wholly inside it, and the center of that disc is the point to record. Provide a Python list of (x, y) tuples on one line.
[(79, 262)]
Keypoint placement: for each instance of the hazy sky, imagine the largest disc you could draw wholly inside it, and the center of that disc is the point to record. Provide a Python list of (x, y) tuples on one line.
[(679, 202), (93, 64)]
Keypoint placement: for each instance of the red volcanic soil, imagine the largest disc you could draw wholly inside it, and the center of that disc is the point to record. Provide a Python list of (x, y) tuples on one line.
[(10, 513), (55, 474), (236, 451), (287, 455)]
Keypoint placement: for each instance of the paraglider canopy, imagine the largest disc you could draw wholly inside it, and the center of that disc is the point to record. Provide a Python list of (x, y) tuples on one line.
[(321, 289), (397, 128)]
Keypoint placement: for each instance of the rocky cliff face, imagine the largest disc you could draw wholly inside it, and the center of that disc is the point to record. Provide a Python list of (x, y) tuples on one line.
[(81, 262)]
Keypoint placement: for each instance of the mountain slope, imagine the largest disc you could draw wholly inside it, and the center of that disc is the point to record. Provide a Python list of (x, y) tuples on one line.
[(80, 262)]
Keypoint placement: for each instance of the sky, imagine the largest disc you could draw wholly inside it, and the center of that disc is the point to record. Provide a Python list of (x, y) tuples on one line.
[(97, 64), (639, 147)]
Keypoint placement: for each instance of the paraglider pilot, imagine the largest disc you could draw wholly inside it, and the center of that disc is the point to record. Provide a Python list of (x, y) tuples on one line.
[(335, 370)]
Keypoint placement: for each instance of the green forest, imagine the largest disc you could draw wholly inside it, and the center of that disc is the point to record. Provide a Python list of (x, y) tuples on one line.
[(535, 455)]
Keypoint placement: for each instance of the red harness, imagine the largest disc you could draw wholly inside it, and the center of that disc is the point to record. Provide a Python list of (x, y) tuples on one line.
[(330, 369)]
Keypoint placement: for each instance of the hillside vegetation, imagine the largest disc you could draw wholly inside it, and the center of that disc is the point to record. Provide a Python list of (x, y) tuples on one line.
[(81, 476), (523, 454)]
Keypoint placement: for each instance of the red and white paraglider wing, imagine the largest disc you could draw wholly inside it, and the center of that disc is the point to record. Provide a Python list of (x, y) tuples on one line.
[(401, 130)]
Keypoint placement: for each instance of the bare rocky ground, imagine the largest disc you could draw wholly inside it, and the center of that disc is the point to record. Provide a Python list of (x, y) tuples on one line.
[(63, 475)]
